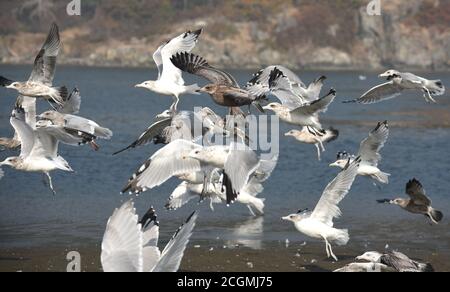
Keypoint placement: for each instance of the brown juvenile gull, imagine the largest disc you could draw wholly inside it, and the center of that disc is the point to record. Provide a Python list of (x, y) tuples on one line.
[(398, 83), (39, 85), (318, 139), (130, 245), (419, 202), (224, 89), (170, 80)]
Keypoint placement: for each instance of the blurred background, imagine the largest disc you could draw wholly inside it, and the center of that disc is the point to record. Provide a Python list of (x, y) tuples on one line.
[(305, 34)]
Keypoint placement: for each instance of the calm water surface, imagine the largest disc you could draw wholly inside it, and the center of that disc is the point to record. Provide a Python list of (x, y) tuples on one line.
[(31, 217)]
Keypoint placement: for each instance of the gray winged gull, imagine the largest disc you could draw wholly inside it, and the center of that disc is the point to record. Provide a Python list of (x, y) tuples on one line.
[(130, 245), (318, 139), (398, 83), (170, 80), (397, 261), (39, 150), (260, 84), (224, 89), (319, 223), (39, 85), (418, 203), (369, 152)]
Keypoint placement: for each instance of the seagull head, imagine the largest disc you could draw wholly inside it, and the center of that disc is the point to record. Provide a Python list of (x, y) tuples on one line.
[(389, 74), (372, 256), (341, 163), (294, 218), (49, 115), (147, 84), (274, 107), (165, 115), (210, 89), (15, 85), (292, 133), (11, 161)]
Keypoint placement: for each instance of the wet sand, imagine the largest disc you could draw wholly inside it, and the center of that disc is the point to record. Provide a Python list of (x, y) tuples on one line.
[(213, 257)]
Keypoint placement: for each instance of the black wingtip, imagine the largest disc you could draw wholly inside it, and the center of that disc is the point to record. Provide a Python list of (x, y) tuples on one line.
[(384, 201), (332, 91), (149, 217), (5, 81)]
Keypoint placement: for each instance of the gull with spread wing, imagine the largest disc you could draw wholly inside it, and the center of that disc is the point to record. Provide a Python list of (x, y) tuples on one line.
[(39, 149), (308, 136), (170, 79), (130, 245), (369, 152), (39, 85), (319, 223)]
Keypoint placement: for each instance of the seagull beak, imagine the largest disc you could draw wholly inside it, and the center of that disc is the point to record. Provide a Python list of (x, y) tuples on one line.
[(139, 85), (383, 75), (9, 87), (334, 165), (288, 135), (285, 218), (358, 258)]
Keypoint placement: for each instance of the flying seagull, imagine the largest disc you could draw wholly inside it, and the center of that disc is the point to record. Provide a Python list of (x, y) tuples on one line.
[(319, 223), (224, 89), (39, 85), (419, 202), (170, 80), (318, 139), (130, 245), (396, 261), (260, 85), (293, 109), (398, 83), (39, 150), (183, 158), (369, 152)]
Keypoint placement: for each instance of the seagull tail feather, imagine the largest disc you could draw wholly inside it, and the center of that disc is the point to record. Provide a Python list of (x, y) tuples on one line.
[(342, 237), (437, 215), (436, 87), (256, 205), (382, 177)]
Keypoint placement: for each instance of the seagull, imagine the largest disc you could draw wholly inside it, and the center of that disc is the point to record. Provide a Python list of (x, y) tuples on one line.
[(260, 85), (224, 89), (77, 123), (39, 85), (130, 245), (188, 191), (170, 80), (397, 261), (183, 158), (419, 202), (39, 151), (369, 152), (365, 268), (398, 83), (309, 136), (319, 223)]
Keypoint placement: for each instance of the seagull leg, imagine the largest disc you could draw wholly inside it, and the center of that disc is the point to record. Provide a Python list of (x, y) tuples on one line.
[(205, 188), (50, 183), (326, 247), (428, 96), (332, 254), (319, 154)]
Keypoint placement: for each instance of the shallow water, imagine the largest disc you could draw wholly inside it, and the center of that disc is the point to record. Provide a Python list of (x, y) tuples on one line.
[(30, 217)]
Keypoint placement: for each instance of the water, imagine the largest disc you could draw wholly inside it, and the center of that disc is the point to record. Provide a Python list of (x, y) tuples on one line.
[(31, 217)]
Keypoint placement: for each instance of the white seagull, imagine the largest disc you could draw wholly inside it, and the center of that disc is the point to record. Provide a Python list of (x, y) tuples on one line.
[(39, 150), (369, 152), (319, 224), (318, 139), (130, 245), (170, 79), (39, 85), (419, 202), (183, 158), (398, 83)]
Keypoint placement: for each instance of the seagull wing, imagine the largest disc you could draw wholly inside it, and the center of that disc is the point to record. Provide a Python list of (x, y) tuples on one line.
[(172, 255), (398, 261), (266, 167), (45, 62), (370, 147), (81, 124), (150, 253), (380, 93), (24, 131), (183, 43), (198, 66), (241, 163), (262, 77), (154, 130), (157, 57), (327, 209), (417, 193), (170, 161), (318, 106), (182, 195), (29, 105), (281, 87), (122, 242), (72, 105), (314, 89)]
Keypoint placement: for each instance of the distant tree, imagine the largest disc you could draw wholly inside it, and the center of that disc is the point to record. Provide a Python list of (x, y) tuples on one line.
[(38, 11)]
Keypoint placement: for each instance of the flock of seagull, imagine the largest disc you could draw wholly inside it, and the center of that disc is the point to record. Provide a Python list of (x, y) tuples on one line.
[(223, 174)]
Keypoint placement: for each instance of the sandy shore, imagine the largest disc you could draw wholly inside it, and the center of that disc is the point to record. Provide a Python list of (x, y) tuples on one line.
[(201, 258)]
